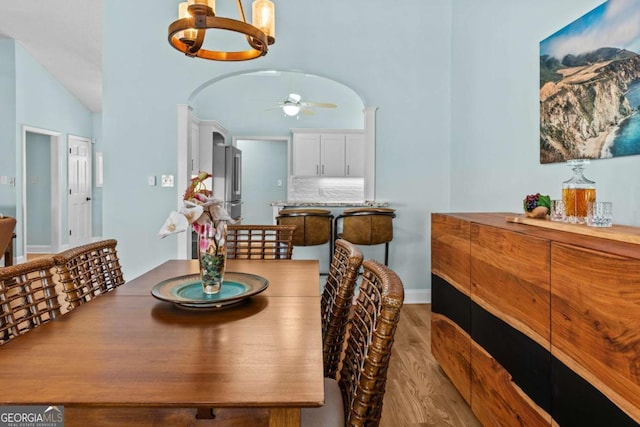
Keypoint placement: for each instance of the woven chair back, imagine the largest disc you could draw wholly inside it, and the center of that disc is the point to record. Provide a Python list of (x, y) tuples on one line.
[(260, 241), (28, 297), (372, 327), (337, 299), (88, 271)]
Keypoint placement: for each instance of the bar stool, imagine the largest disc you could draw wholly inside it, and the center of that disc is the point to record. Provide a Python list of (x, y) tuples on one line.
[(366, 226), (313, 226)]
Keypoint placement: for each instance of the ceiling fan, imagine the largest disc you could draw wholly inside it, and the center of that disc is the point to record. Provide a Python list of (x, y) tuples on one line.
[(293, 105)]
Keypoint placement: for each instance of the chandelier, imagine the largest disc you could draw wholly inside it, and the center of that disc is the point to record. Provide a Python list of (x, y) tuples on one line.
[(195, 17)]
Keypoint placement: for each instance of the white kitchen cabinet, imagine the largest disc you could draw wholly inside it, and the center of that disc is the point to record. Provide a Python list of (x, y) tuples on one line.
[(354, 155), (306, 154), (330, 154)]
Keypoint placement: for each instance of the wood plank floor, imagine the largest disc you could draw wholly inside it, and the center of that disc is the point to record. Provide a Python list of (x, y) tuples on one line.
[(418, 392)]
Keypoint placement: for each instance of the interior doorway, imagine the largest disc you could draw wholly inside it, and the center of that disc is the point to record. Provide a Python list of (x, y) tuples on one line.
[(264, 176), (40, 149)]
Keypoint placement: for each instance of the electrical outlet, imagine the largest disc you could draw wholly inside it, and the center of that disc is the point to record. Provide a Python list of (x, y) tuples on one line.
[(167, 180)]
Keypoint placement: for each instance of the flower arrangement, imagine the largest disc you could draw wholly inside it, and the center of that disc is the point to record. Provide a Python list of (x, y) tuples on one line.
[(209, 220), (199, 209)]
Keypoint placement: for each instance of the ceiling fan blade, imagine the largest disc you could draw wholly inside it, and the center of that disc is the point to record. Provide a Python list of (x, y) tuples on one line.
[(307, 111), (319, 104)]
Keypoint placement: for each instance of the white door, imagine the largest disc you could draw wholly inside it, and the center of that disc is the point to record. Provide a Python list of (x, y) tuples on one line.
[(79, 191)]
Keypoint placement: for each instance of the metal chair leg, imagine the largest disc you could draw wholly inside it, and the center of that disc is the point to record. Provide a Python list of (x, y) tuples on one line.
[(386, 254)]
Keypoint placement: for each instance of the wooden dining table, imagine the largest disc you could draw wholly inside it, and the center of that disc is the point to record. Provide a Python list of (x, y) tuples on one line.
[(127, 350)]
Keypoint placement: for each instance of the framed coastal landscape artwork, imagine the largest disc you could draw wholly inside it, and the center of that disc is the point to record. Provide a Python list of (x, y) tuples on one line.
[(590, 86)]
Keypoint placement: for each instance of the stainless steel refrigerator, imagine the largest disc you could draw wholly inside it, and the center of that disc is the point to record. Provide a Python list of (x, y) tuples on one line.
[(227, 178)]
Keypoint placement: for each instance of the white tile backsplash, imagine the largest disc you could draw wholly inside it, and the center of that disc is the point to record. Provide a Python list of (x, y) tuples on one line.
[(321, 189)]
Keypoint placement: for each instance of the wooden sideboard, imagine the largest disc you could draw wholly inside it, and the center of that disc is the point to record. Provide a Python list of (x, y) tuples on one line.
[(535, 326)]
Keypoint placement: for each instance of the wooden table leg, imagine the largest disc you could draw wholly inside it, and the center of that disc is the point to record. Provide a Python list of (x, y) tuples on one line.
[(289, 417), (8, 254)]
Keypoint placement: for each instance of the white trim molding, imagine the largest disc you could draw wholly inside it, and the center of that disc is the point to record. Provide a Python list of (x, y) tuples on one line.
[(417, 296)]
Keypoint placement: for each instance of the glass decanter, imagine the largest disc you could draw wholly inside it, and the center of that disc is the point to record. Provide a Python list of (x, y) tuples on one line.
[(577, 192)]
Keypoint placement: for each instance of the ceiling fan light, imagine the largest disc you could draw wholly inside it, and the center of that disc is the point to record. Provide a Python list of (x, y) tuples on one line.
[(291, 109)]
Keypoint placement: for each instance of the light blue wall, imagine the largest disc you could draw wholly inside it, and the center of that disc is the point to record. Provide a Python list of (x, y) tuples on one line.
[(398, 57), (38, 189), (42, 102), (495, 111), (7, 124), (457, 120)]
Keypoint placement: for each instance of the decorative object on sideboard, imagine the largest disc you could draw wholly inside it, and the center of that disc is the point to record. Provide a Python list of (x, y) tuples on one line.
[(536, 205), (600, 214), (577, 192), (187, 33), (557, 212)]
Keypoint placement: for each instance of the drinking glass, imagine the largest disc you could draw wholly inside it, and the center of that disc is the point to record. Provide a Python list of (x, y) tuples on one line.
[(557, 211), (600, 214)]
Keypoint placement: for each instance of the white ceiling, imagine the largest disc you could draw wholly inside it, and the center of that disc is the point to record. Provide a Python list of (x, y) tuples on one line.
[(65, 36)]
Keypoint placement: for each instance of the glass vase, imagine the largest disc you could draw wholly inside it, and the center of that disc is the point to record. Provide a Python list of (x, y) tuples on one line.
[(212, 256), (577, 192)]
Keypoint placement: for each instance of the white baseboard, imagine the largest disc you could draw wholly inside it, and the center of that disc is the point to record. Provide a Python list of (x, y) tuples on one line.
[(38, 249), (417, 296)]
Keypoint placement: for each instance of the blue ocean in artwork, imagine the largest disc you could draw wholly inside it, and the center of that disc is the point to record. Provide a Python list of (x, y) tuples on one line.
[(627, 139)]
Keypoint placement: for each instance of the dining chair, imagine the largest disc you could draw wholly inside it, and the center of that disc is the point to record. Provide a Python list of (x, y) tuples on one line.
[(88, 271), (28, 297), (366, 226), (260, 241), (7, 228), (337, 299), (355, 399)]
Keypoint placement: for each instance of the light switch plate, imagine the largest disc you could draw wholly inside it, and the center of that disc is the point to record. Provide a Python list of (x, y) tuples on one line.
[(151, 180), (167, 180)]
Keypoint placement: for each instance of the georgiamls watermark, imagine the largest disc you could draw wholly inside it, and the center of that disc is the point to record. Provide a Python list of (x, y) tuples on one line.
[(31, 416)]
